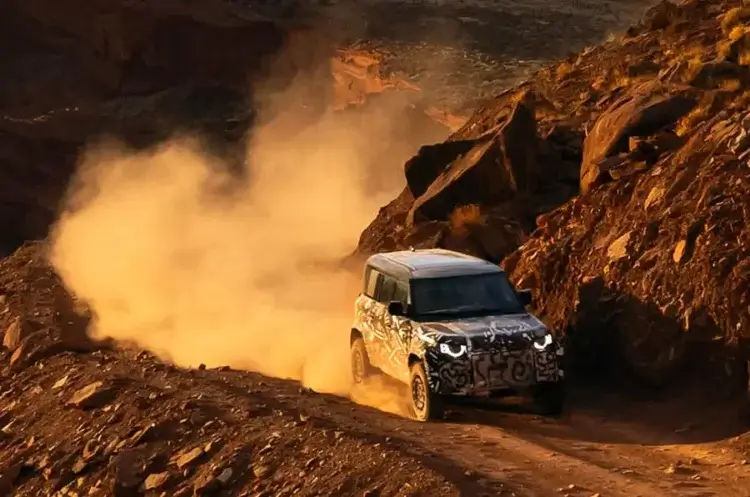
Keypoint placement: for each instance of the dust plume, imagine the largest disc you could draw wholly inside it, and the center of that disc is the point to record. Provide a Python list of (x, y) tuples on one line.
[(175, 252)]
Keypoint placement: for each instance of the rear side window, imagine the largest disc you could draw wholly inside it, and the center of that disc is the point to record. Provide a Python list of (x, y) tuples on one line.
[(384, 288), (372, 278)]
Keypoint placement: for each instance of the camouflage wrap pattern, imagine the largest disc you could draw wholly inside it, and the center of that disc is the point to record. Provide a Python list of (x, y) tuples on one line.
[(463, 357)]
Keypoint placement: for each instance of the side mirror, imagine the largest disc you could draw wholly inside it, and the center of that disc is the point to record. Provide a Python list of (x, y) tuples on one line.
[(525, 297), (396, 308)]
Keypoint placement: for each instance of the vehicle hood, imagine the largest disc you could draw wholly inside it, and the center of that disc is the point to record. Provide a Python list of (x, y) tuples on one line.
[(500, 325)]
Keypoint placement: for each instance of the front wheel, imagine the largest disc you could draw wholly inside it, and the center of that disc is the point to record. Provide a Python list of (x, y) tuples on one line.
[(549, 398), (360, 362), (425, 405)]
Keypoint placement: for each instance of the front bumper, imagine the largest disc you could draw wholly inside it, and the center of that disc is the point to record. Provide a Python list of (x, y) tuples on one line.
[(479, 371)]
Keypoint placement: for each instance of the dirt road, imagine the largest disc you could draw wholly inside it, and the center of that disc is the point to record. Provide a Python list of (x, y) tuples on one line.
[(621, 449), (606, 445)]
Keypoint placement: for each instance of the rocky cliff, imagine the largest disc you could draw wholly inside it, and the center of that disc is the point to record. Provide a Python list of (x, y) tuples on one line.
[(615, 183)]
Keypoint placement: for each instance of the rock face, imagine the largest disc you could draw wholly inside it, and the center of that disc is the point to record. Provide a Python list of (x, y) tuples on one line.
[(501, 166), (644, 110), (106, 47), (645, 272), (498, 166)]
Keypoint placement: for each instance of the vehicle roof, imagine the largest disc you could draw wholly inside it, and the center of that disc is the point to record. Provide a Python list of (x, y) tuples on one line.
[(430, 263)]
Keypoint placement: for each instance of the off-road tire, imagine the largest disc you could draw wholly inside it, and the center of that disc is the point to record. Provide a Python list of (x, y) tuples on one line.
[(549, 398), (361, 368), (425, 405)]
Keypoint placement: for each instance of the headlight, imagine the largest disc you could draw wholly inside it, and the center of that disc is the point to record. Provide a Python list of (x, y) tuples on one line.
[(541, 343), (453, 349)]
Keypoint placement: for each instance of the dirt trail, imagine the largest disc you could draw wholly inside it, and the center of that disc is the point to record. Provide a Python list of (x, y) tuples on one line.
[(620, 447), (617, 447)]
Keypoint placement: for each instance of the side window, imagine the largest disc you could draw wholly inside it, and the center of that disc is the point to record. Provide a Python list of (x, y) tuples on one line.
[(387, 290), (372, 279), (402, 292)]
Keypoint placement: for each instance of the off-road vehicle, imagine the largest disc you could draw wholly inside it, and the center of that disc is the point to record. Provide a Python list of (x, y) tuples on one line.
[(447, 324)]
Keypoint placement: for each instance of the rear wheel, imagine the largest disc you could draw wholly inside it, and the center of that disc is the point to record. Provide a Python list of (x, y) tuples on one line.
[(425, 405), (360, 362), (549, 398)]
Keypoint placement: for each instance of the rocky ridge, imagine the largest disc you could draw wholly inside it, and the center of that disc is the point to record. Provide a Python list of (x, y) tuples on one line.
[(614, 183)]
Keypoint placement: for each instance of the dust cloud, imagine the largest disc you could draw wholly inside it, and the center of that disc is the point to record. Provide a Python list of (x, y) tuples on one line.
[(177, 254)]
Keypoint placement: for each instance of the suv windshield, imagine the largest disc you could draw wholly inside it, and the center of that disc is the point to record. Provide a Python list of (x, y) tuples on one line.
[(474, 294)]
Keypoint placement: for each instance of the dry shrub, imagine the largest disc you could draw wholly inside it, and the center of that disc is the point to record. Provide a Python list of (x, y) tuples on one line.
[(465, 217)]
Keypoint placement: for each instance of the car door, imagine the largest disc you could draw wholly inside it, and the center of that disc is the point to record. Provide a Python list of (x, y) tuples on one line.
[(397, 328), (370, 320)]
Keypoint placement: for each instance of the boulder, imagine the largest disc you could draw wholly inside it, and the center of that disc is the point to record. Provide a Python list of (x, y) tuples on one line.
[(498, 166), (46, 343), (660, 16), (644, 110), (92, 396), (382, 233), (16, 332), (430, 161)]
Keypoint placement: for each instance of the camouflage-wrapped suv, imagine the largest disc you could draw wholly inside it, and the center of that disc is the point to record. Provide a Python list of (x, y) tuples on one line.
[(448, 324)]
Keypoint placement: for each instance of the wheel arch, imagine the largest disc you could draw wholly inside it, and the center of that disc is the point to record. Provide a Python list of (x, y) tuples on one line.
[(354, 335), (413, 359)]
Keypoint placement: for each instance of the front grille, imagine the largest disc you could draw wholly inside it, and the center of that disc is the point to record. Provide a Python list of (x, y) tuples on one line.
[(500, 370), (485, 343)]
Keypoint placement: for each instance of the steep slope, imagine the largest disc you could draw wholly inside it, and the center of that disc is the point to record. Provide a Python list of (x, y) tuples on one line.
[(641, 139), (80, 418)]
